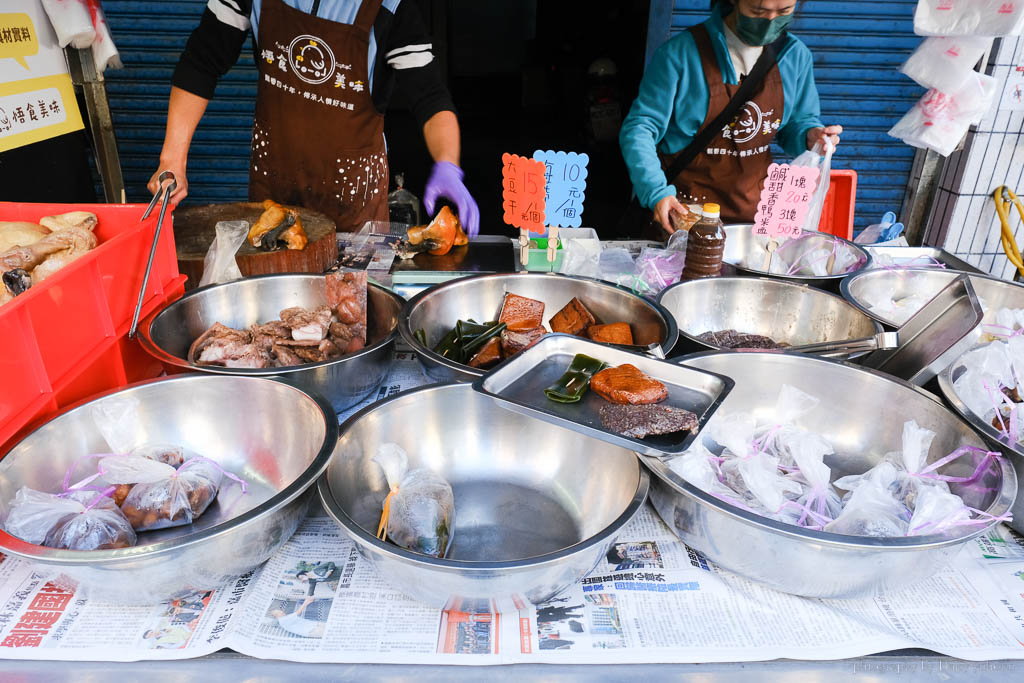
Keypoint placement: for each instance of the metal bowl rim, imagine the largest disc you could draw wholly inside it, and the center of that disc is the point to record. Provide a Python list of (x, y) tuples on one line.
[(38, 553), (767, 281), (671, 331), (979, 425), (810, 278), (361, 536), (844, 286), (1000, 506), (151, 347)]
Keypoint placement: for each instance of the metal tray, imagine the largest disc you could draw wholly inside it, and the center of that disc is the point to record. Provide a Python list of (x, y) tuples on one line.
[(917, 257), (519, 384)]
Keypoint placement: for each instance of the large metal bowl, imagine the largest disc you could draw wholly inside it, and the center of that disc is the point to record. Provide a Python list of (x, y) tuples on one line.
[(863, 425), (1013, 451), (275, 436), (436, 310), (993, 293), (745, 254), (536, 506), (345, 381), (785, 311)]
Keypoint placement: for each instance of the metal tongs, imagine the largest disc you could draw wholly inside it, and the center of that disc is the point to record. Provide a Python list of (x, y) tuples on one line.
[(168, 190), (848, 347), (653, 350)]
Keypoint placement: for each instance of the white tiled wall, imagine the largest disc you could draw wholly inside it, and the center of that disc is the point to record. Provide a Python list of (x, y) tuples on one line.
[(964, 220)]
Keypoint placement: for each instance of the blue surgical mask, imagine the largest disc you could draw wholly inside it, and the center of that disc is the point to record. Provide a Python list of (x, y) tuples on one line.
[(758, 31)]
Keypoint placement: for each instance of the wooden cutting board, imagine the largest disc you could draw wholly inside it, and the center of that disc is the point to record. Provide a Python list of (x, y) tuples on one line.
[(194, 231)]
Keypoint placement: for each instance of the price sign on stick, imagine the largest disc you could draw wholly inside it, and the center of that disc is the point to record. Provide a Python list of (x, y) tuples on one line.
[(785, 200), (522, 183), (565, 182)]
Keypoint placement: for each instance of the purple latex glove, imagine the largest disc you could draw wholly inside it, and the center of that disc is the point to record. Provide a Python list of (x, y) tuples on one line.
[(446, 181)]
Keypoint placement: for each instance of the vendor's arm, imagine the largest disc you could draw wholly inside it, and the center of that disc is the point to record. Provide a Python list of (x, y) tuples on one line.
[(212, 49), (802, 103)]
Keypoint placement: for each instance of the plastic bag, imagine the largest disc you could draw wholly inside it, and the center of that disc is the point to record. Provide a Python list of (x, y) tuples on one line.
[(162, 496), (757, 480), (885, 230), (819, 504), (83, 520), (945, 64), (617, 266), (660, 268), (419, 512), (821, 159), (695, 466), (403, 206), (220, 265), (968, 18), (871, 510), (911, 461), (940, 120), (580, 257), (937, 511)]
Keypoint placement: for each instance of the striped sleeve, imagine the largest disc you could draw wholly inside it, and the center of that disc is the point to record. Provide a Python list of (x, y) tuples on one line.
[(233, 13), (408, 56)]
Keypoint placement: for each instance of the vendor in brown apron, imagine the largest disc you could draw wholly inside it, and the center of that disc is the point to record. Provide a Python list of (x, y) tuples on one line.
[(731, 168), (301, 113)]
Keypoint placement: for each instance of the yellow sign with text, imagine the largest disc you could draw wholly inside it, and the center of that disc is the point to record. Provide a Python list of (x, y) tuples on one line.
[(18, 38), (37, 109)]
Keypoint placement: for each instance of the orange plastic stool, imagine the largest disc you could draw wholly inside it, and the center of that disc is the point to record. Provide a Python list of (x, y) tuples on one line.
[(840, 201)]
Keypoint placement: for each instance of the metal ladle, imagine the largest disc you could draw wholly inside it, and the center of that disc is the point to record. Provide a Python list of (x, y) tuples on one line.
[(167, 192)]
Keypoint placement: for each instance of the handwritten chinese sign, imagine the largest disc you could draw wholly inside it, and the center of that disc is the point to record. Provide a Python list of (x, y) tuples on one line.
[(522, 184), (785, 200), (565, 182)]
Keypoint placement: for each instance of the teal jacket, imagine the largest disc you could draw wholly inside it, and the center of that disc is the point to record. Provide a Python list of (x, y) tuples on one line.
[(673, 102)]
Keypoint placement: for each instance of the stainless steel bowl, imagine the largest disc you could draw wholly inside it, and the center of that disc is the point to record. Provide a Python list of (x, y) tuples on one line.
[(785, 311), (436, 310), (1013, 451), (863, 425), (168, 334), (536, 506), (275, 436), (745, 253), (927, 282)]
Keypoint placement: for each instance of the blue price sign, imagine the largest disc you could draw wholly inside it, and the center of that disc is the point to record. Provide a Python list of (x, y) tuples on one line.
[(566, 185)]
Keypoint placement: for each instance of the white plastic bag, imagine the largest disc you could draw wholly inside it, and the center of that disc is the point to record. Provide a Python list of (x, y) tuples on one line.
[(419, 512), (945, 64), (871, 511), (84, 520), (72, 22), (969, 18), (220, 265), (759, 483), (820, 504), (820, 159), (937, 511), (940, 120), (695, 466), (580, 257), (910, 463), (162, 496)]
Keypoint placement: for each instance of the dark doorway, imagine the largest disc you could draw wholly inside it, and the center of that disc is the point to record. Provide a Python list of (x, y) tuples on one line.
[(528, 75)]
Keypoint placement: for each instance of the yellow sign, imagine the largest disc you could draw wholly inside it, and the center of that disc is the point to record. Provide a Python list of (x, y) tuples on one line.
[(37, 99), (18, 37)]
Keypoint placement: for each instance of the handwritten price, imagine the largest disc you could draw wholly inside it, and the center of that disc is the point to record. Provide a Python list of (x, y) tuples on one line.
[(785, 200)]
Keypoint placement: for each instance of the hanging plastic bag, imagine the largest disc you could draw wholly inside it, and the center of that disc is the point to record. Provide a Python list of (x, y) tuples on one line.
[(162, 496), (940, 120), (945, 64), (818, 157), (82, 520), (992, 18), (419, 511), (871, 511), (220, 265)]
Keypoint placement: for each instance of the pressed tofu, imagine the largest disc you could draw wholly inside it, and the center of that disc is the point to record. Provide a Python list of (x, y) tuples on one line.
[(513, 342), (488, 355), (573, 319), (521, 314), (614, 333)]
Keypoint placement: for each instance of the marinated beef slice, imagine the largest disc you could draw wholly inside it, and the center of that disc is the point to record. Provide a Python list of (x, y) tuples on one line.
[(639, 421)]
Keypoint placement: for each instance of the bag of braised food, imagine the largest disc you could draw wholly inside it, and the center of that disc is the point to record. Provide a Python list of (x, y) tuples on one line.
[(78, 520), (419, 511)]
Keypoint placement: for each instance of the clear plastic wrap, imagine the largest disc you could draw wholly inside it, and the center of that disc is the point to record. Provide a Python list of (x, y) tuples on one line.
[(819, 157), (819, 504), (419, 511), (81, 520), (162, 496), (871, 511), (937, 511), (911, 462), (220, 265)]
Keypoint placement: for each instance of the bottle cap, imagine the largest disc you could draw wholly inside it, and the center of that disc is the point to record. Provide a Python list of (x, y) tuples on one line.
[(712, 210)]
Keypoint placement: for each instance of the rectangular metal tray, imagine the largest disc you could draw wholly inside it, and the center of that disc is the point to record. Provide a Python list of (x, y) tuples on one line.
[(904, 256), (519, 383)]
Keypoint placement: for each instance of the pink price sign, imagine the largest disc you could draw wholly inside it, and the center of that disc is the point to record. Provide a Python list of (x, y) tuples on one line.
[(785, 200)]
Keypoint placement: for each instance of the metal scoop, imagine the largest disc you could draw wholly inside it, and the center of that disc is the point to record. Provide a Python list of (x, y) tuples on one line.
[(167, 192)]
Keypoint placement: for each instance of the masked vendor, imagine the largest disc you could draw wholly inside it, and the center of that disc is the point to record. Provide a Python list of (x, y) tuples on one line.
[(690, 80), (326, 71)]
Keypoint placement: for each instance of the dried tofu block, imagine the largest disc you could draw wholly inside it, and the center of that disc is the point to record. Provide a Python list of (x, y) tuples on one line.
[(521, 314), (574, 318), (614, 333)]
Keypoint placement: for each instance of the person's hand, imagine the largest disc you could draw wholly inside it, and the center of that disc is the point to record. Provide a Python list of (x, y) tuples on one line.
[(446, 181), (665, 207), (178, 169), (818, 135)]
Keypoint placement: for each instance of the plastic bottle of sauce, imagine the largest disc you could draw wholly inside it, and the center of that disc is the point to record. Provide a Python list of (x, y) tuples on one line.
[(705, 245)]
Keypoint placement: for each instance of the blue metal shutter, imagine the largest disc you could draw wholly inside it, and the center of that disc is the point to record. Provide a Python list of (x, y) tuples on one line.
[(858, 46), (151, 36)]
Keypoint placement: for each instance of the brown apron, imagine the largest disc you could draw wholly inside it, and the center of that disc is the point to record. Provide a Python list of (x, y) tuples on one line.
[(732, 169), (318, 139)]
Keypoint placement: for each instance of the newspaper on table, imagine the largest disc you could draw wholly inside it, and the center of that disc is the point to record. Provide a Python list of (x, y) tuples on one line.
[(651, 599)]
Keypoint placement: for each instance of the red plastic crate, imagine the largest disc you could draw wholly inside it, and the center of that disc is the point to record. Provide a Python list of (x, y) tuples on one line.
[(66, 339), (840, 202)]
